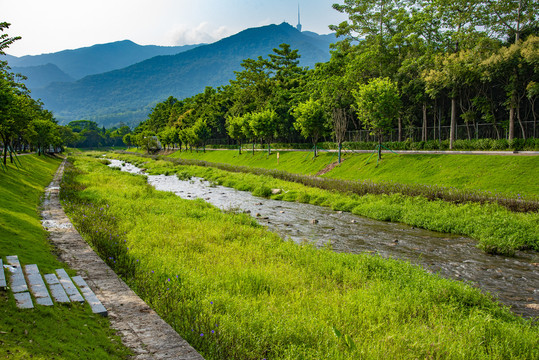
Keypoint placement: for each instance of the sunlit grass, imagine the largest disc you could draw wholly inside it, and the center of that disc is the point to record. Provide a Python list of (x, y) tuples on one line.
[(236, 291), (58, 332), (502, 176), (497, 229)]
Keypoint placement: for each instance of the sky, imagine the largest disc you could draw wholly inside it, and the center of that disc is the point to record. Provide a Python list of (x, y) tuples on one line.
[(48, 26)]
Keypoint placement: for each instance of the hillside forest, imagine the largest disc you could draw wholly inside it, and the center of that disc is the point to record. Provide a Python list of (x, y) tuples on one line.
[(434, 72)]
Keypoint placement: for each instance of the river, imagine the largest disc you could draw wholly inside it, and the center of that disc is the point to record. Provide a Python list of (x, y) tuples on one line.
[(513, 280)]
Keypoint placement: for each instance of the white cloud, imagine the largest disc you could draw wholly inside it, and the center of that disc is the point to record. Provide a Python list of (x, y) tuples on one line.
[(203, 33)]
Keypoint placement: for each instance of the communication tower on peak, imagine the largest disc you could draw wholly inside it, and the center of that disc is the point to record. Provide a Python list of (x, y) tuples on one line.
[(298, 26)]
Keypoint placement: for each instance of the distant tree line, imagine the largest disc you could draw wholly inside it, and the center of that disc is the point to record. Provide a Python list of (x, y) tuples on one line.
[(24, 123), (88, 134), (438, 63)]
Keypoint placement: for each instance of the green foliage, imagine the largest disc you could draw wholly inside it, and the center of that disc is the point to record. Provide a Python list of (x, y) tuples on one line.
[(263, 124), (310, 119), (377, 105), (147, 140), (221, 281)]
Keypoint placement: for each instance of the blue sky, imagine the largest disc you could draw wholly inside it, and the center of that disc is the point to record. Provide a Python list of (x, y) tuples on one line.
[(53, 25)]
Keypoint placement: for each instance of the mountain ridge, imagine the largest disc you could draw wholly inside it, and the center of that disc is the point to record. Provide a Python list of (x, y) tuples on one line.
[(96, 59), (127, 94)]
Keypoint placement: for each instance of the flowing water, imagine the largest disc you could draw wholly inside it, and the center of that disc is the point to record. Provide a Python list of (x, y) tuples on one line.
[(514, 281)]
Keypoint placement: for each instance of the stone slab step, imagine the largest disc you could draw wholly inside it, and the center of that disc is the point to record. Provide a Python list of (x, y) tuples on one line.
[(3, 284), (17, 280), (23, 300), (91, 298), (57, 290), (69, 287), (37, 285)]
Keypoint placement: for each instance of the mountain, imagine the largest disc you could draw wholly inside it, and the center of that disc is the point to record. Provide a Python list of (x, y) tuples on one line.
[(128, 94), (97, 59), (42, 75)]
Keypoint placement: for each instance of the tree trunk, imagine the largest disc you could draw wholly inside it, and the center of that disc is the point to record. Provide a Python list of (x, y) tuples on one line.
[(240, 146), (424, 127), (5, 153), (511, 123), (340, 149), (379, 146), (520, 123), (452, 128), (400, 129)]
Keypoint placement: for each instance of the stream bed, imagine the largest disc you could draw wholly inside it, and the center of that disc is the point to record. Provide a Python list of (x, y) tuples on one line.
[(513, 280)]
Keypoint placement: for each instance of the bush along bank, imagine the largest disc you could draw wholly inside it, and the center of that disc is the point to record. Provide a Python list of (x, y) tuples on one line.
[(498, 230), (236, 291)]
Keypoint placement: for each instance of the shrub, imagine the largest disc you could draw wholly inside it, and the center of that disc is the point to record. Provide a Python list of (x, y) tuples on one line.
[(516, 144), (500, 144), (262, 191)]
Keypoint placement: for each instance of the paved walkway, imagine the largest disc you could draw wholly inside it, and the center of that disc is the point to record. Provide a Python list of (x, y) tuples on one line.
[(142, 330)]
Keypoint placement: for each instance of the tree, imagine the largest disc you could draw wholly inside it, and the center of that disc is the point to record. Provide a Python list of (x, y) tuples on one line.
[(330, 83), (377, 105), (286, 79), (509, 67), (147, 140), (201, 132), (310, 120), (516, 17), (263, 126), (234, 128), (5, 40), (41, 133), (127, 139)]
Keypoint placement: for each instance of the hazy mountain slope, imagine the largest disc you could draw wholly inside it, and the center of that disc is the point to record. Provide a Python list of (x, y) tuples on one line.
[(97, 59), (126, 94), (42, 75)]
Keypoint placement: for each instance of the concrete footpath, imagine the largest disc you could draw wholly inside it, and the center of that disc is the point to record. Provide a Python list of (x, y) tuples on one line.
[(141, 329)]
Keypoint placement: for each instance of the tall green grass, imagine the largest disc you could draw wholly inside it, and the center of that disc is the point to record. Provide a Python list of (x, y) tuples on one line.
[(60, 331), (234, 290), (498, 230)]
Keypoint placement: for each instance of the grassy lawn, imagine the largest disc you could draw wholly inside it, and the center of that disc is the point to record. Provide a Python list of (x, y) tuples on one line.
[(234, 290), (511, 175), (60, 331)]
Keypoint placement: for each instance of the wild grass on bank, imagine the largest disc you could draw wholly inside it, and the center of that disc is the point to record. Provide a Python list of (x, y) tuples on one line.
[(498, 230), (234, 290), (507, 181), (57, 332)]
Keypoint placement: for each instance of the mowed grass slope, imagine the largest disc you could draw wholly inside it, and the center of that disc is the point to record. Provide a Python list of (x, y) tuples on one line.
[(57, 332), (236, 291), (511, 175)]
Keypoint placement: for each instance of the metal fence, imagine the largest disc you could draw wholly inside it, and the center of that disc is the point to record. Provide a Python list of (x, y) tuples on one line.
[(464, 132)]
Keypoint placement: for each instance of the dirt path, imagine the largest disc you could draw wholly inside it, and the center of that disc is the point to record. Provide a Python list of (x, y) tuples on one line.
[(142, 330)]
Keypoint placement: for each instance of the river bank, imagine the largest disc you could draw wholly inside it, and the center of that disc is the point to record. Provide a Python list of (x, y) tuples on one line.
[(221, 280)]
